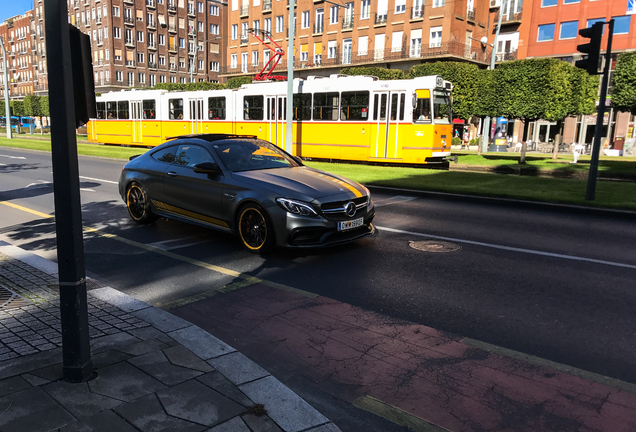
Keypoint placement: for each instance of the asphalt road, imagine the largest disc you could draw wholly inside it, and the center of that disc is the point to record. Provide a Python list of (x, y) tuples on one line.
[(554, 284)]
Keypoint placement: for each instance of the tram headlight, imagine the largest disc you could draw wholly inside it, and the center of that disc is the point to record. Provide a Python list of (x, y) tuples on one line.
[(444, 143), (296, 207)]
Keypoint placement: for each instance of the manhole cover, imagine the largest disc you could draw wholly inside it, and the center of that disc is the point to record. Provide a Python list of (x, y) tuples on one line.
[(434, 246), (11, 300)]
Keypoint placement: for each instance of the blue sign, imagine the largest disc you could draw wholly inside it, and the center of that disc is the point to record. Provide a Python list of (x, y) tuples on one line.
[(631, 7)]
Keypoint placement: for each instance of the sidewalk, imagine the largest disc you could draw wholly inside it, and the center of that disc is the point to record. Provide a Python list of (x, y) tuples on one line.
[(155, 371)]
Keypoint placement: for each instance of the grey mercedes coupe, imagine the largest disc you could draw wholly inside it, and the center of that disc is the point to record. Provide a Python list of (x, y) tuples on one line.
[(247, 186)]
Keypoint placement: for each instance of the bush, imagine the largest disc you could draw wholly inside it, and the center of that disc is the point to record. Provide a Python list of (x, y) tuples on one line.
[(381, 73), (457, 141), (474, 142), (237, 82)]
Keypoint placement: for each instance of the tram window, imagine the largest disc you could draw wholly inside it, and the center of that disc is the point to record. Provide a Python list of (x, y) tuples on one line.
[(394, 106), (175, 109), (402, 99), (111, 110), (442, 106), (270, 111), (166, 154), (383, 99), (355, 105), (122, 110), (101, 110), (149, 109), (282, 109), (302, 106), (253, 108), (375, 107), (422, 111), (216, 108), (326, 106)]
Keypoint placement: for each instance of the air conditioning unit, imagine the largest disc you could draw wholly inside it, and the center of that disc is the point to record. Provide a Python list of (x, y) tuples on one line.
[(495, 4)]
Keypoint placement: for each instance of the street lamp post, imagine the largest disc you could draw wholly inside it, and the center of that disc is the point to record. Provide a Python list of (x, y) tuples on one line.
[(7, 107), (196, 50)]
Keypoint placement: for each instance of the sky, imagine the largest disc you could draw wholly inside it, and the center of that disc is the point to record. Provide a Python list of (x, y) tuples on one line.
[(9, 8)]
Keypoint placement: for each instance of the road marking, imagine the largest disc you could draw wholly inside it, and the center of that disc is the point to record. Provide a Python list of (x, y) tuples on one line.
[(1, 164), (99, 180), (396, 415), (205, 295), (174, 243), (87, 190), (393, 200), (509, 248), (28, 210), (40, 183), (12, 157)]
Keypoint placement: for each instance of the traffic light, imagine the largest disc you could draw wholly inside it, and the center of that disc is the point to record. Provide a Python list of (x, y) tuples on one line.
[(83, 81), (592, 49)]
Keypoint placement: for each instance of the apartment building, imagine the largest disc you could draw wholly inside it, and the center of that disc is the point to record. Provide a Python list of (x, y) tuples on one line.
[(334, 35), (19, 42)]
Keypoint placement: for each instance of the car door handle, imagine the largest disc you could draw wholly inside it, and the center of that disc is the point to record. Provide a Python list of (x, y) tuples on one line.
[(172, 174)]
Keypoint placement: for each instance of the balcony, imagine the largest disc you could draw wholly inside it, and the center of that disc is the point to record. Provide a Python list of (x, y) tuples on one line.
[(470, 15), (172, 48), (245, 39), (267, 6), (151, 25), (76, 4), (150, 4), (130, 63), (172, 8), (245, 11), (132, 2), (152, 65), (509, 19), (191, 12), (152, 45), (380, 19), (172, 68), (417, 12), (100, 41), (172, 28), (129, 21), (130, 43), (318, 28), (98, 20), (347, 23), (505, 56)]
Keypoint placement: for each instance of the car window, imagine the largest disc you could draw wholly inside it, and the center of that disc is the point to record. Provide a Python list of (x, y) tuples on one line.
[(251, 155), (190, 155), (165, 154)]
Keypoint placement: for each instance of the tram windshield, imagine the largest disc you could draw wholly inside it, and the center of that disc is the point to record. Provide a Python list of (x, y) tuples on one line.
[(442, 106)]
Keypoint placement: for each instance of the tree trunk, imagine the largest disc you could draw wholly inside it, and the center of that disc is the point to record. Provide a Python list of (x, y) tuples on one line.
[(522, 157), (557, 141), (41, 126)]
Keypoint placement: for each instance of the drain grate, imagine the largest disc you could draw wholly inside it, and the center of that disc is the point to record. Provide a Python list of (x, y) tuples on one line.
[(11, 300), (434, 246)]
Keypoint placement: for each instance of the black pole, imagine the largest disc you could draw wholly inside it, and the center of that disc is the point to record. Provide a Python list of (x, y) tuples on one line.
[(596, 147), (68, 216)]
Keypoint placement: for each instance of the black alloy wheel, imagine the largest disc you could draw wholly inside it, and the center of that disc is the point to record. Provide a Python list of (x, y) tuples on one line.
[(255, 230), (139, 205)]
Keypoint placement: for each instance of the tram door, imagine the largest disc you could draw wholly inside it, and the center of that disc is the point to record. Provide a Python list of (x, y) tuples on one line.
[(388, 112), (196, 116), (135, 116), (276, 107)]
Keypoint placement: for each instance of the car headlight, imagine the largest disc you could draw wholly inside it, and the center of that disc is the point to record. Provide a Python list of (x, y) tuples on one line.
[(296, 207)]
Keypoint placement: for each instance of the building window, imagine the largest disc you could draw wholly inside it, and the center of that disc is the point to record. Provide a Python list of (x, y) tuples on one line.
[(181, 43), (142, 78), (140, 57), (233, 61), (200, 7), (235, 31), (568, 30), (279, 24), (547, 3), (333, 14), (436, 37), (214, 66), (116, 32), (115, 11), (268, 25), (305, 20), (214, 29), (400, 6), (621, 24), (244, 62), (332, 49), (162, 39), (546, 33), (152, 80), (365, 9), (571, 1), (254, 58), (162, 79), (162, 60), (214, 10), (199, 26), (140, 36), (131, 82), (439, 3), (119, 76)]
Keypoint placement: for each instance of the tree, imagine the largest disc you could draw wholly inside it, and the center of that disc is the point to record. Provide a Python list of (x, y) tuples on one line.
[(464, 77), (44, 106), (32, 107), (624, 83), (237, 82), (381, 73), (17, 108)]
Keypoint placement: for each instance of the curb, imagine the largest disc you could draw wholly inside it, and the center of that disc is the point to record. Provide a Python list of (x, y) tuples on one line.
[(285, 407), (596, 211)]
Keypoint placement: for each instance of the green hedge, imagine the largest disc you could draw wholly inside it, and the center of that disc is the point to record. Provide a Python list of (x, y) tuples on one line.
[(381, 73)]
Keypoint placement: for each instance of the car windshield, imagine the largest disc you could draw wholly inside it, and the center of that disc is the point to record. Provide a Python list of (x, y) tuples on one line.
[(249, 155)]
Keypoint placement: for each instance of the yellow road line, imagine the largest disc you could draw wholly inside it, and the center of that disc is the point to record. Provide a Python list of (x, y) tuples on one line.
[(28, 210), (247, 280)]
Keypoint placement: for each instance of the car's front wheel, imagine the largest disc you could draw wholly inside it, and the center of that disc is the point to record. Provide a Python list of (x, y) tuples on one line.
[(255, 229), (138, 204)]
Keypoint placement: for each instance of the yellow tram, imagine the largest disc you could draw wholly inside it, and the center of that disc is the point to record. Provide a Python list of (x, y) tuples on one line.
[(357, 118)]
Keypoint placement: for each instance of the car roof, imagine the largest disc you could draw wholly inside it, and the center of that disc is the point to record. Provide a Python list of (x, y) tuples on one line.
[(212, 137)]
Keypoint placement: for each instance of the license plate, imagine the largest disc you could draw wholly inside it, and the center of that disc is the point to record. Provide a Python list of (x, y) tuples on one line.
[(347, 225)]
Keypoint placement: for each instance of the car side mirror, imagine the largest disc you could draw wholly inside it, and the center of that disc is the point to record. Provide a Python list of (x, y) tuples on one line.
[(206, 168)]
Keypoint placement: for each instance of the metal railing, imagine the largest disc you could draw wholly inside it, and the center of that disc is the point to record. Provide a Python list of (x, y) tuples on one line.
[(318, 27), (380, 19), (417, 12), (172, 28), (172, 8), (509, 18), (152, 45), (245, 10), (130, 62), (347, 23), (129, 20), (505, 56), (151, 4), (151, 25), (152, 65), (267, 5), (245, 39), (470, 15), (130, 42)]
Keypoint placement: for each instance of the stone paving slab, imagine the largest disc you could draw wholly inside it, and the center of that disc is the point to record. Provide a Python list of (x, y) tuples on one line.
[(154, 371)]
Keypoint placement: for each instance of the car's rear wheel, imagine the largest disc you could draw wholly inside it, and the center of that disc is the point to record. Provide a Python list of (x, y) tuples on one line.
[(255, 229), (138, 204)]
